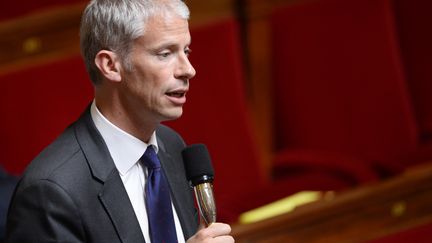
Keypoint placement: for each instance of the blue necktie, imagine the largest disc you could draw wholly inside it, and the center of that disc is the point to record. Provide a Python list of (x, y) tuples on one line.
[(158, 201)]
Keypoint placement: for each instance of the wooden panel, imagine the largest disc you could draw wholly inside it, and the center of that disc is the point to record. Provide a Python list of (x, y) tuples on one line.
[(259, 88), (204, 12), (262, 8), (259, 63), (359, 215), (39, 38)]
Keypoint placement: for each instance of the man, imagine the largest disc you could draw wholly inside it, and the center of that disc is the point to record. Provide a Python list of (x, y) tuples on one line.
[(91, 184)]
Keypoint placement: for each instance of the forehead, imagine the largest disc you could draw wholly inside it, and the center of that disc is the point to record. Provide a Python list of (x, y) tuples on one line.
[(166, 28)]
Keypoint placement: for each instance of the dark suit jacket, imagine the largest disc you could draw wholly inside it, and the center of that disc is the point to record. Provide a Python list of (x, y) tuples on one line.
[(72, 192), (7, 186)]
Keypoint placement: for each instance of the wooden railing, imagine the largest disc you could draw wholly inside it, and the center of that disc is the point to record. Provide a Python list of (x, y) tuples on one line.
[(358, 215)]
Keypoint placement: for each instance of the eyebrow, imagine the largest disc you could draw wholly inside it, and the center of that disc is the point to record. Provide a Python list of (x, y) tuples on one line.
[(169, 44)]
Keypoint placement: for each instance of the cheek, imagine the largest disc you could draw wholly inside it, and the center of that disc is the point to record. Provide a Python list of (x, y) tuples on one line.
[(152, 78), (158, 80)]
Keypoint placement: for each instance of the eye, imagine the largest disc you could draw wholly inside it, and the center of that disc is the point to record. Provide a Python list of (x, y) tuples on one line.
[(187, 51), (164, 54)]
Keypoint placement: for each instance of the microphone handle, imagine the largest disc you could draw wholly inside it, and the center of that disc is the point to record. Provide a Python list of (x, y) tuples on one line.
[(206, 202)]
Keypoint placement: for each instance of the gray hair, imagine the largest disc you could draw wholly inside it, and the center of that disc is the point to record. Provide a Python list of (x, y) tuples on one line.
[(114, 25)]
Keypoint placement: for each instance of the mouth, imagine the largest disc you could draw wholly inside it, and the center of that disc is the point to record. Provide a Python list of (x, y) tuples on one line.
[(176, 94), (177, 97)]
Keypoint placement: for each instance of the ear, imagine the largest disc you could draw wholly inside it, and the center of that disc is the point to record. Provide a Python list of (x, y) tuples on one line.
[(109, 65)]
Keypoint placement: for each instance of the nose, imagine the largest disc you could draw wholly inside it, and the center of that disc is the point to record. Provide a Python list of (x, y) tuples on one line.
[(185, 70)]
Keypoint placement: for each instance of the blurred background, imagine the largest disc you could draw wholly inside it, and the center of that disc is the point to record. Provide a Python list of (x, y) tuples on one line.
[(328, 97)]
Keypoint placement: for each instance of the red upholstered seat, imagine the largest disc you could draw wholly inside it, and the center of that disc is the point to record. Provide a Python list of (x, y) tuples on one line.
[(37, 104), (419, 234), (413, 18), (413, 26), (339, 87)]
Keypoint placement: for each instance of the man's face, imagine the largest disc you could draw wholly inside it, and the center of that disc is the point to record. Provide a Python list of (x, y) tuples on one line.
[(155, 87)]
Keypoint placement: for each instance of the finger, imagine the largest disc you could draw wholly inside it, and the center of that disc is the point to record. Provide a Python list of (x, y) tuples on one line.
[(218, 229), (224, 239)]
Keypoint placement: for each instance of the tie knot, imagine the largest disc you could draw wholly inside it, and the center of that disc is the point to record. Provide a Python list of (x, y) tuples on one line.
[(150, 158)]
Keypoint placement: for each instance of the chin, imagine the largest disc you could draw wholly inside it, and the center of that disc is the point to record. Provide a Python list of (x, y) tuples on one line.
[(172, 114)]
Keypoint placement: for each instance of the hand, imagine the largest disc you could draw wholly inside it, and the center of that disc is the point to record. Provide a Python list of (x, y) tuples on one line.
[(216, 232)]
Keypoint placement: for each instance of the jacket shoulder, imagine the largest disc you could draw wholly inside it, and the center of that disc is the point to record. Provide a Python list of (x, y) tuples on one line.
[(54, 155), (169, 136)]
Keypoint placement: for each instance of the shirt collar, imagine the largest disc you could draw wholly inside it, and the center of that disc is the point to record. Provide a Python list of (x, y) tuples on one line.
[(124, 148)]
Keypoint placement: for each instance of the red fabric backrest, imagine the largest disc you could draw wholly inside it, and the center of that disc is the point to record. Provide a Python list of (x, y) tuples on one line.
[(36, 105), (414, 21), (215, 112), (338, 80), (419, 234)]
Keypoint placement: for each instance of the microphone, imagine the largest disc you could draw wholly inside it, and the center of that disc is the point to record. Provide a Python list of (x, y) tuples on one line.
[(199, 172)]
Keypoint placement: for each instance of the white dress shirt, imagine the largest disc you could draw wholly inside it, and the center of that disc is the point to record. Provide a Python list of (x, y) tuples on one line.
[(126, 150)]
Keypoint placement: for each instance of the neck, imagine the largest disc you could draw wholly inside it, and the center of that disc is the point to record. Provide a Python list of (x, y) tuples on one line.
[(119, 114)]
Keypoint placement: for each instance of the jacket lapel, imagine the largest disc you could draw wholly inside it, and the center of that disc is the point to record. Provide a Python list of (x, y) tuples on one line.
[(112, 195), (181, 193), (116, 202)]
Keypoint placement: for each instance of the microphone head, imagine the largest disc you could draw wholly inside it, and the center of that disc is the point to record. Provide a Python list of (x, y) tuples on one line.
[(197, 164)]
